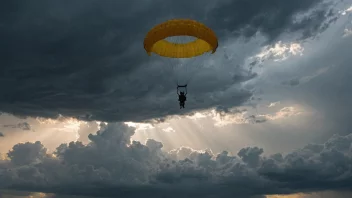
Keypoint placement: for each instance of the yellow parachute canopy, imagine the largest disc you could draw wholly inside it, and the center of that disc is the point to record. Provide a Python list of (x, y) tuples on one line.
[(155, 40)]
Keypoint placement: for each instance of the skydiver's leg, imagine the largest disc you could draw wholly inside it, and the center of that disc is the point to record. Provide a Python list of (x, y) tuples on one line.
[(182, 104)]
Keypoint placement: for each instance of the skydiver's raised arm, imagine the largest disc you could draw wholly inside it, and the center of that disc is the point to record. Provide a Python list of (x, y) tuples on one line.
[(177, 92)]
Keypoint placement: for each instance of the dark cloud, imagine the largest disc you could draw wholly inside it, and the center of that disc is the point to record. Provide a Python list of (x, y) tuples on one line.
[(22, 125), (272, 18), (85, 58), (256, 119), (27, 153), (2, 135), (330, 93), (10, 194), (111, 165), (324, 81), (293, 82)]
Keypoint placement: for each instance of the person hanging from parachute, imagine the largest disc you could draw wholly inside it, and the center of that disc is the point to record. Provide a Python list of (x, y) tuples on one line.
[(156, 41), (182, 95)]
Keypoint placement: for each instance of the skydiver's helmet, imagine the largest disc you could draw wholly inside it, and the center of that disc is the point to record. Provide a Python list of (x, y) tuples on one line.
[(182, 93)]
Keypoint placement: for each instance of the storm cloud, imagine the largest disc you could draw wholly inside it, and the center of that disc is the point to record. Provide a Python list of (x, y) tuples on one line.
[(111, 165), (85, 58)]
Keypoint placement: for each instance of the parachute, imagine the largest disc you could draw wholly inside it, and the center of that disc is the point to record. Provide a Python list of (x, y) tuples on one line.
[(181, 44)]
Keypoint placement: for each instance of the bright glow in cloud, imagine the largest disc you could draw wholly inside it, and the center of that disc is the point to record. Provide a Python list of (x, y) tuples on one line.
[(72, 125), (196, 116), (3, 156), (346, 11), (236, 116), (299, 195), (280, 51), (226, 119), (51, 121), (246, 118), (68, 122), (38, 195), (274, 104), (140, 126), (63, 124), (347, 32), (169, 130), (322, 194), (283, 113)]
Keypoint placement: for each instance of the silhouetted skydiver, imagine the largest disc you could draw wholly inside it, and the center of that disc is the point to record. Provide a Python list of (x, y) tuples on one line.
[(182, 96)]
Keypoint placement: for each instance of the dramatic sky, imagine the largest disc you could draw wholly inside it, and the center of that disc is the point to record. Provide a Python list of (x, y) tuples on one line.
[(85, 112)]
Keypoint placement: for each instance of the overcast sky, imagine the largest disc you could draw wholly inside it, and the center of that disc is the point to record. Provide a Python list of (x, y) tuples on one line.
[(85, 112)]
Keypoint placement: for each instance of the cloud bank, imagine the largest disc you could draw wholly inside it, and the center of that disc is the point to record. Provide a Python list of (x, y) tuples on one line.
[(111, 165)]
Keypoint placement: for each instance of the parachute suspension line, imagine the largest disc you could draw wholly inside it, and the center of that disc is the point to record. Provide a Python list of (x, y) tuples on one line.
[(184, 69), (195, 48), (192, 74), (194, 64), (177, 65)]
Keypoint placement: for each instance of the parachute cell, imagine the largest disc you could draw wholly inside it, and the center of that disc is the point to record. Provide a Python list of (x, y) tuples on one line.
[(155, 41)]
